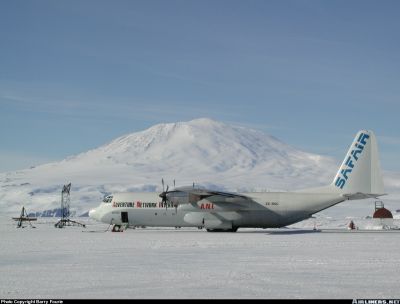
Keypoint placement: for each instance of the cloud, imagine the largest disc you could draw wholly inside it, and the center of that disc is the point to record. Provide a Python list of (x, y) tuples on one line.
[(80, 105), (390, 140), (17, 161)]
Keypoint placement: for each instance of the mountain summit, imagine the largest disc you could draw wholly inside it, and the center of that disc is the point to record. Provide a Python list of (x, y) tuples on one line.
[(200, 147), (203, 151)]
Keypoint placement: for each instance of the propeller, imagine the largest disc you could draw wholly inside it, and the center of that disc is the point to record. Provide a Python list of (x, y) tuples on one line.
[(164, 198), (163, 195)]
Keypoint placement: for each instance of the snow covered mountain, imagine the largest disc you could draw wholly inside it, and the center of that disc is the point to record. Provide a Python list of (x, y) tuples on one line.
[(203, 151)]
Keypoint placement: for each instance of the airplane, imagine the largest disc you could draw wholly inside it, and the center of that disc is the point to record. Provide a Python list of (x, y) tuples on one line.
[(358, 177)]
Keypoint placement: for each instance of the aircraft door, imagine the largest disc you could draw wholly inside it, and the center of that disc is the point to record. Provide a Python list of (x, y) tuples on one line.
[(124, 217)]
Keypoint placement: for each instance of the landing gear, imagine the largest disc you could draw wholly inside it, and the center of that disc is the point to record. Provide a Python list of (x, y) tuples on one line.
[(116, 228), (233, 229)]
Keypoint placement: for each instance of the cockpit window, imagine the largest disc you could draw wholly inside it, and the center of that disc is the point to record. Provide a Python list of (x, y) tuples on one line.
[(107, 199)]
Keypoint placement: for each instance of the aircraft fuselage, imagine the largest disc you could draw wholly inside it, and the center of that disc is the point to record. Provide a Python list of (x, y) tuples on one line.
[(262, 210)]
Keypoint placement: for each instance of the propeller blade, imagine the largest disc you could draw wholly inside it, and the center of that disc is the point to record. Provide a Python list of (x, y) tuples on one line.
[(165, 198)]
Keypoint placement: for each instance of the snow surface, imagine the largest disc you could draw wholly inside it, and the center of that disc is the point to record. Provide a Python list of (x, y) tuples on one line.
[(48, 262), (210, 153)]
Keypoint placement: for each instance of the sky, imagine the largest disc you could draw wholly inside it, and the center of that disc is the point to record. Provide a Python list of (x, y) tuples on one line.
[(76, 74)]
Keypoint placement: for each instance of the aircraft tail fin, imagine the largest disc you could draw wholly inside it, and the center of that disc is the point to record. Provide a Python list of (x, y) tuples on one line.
[(360, 171)]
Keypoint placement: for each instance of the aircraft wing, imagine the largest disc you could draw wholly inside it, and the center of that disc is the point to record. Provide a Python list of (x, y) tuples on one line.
[(195, 195), (207, 194), (204, 193)]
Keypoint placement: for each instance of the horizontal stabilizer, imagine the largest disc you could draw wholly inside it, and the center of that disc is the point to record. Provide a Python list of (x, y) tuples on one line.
[(359, 195)]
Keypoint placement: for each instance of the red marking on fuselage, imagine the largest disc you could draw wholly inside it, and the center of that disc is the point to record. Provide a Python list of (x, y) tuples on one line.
[(207, 206)]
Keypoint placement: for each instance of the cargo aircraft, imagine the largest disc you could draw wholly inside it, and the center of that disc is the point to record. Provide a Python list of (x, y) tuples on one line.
[(358, 177)]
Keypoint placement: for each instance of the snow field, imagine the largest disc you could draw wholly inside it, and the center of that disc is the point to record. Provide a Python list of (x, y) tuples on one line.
[(48, 262)]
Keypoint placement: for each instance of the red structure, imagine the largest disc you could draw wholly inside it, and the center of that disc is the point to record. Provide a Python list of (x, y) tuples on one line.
[(382, 213)]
